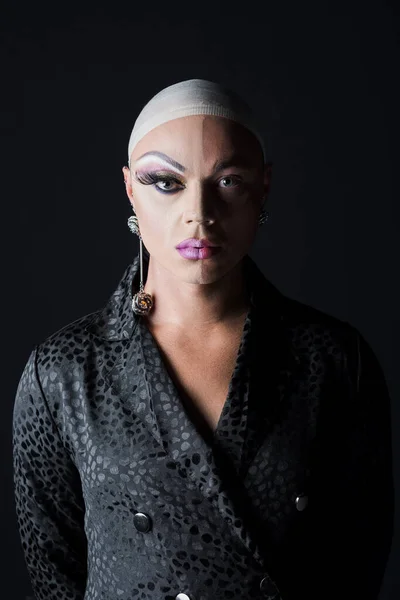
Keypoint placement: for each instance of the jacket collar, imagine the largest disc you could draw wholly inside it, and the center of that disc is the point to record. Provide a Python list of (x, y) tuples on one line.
[(116, 321)]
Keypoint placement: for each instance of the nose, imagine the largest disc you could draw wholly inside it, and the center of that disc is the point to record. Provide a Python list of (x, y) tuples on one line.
[(200, 219), (199, 207)]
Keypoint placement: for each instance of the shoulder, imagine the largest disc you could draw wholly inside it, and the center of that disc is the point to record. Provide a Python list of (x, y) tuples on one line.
[(303, 322), (317, 333), (301, 314), (314, 331), (68, 345), (308, 320), (51, 358)]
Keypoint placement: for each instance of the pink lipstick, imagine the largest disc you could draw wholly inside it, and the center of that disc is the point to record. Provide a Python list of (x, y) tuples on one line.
[(196, 249)]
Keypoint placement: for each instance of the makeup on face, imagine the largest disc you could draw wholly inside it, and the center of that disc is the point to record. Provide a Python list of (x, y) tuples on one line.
[(152, 171), (235, 161), (158, 177), (147, 160), (201, 253)]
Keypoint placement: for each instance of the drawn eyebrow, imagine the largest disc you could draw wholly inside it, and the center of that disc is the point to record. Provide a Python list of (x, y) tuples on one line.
[(166, 158), (220, 165)]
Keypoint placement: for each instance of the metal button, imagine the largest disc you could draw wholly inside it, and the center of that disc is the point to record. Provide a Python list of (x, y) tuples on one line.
[(142, 522), (301, 501), (269, 589), (182, 597)]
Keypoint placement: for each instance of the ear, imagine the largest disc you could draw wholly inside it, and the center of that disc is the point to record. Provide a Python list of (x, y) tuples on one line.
[(128, 184), (267, 177)]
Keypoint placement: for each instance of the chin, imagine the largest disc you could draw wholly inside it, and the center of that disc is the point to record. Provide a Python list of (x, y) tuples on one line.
[(205, 271)]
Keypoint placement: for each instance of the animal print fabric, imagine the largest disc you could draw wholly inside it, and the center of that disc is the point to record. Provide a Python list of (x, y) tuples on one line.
[(120, 497)]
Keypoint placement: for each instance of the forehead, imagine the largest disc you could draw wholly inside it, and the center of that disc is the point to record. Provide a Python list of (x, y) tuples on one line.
[(200, 138)]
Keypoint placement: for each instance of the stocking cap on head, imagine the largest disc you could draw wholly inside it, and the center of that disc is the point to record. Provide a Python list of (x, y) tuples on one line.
[(193, 97)]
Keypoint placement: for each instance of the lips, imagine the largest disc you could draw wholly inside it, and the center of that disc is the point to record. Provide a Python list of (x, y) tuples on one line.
[(202, 253), (196, 243)]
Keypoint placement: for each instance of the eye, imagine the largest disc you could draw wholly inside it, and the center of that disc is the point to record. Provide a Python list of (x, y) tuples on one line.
[(167, 184), (154, 178), (235, 180)]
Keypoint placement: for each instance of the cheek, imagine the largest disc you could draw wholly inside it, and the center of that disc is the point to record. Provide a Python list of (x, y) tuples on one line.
[(150, 211), (244, 224), (154, 228), (155, 223), (244, 215)]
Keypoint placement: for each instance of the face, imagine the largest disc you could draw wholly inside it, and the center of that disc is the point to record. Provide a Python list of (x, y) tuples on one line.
[(197, 177)]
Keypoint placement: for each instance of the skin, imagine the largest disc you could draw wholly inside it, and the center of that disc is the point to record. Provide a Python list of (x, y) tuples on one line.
[(198, 296)]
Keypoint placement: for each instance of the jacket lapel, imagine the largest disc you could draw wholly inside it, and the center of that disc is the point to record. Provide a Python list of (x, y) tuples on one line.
[(262, 380)]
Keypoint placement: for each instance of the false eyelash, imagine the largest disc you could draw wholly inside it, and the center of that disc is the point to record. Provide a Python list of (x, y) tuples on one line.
[(152, 177)]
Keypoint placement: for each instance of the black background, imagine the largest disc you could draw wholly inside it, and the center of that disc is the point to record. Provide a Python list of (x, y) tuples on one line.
[(324, 79)]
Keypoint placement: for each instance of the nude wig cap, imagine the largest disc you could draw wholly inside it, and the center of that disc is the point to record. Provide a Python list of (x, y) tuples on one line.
[(192, 97)]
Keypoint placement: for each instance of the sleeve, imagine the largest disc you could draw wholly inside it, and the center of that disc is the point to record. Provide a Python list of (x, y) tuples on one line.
[(369, 492), (48, 496), (355, 530)]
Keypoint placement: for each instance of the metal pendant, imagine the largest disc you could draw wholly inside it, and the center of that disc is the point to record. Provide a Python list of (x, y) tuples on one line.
[(142, 303)]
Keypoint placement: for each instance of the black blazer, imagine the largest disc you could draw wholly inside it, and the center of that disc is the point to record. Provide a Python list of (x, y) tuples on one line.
[(119, 496)]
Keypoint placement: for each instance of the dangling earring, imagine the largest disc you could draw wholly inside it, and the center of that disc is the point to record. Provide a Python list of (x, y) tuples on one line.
[(264, 216), (142, 303)]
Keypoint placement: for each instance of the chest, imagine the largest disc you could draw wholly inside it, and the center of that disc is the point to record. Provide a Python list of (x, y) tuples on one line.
[(201, 369)]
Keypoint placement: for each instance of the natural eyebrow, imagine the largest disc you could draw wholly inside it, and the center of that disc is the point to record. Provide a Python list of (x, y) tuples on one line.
[(237, 161), (220, 165)]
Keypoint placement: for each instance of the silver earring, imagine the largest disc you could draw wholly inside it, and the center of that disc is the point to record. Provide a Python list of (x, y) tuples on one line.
[(264, 216), (142, 303), (133, 224)]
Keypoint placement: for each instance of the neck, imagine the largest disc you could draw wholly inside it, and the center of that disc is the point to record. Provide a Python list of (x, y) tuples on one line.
[(192, 306)]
